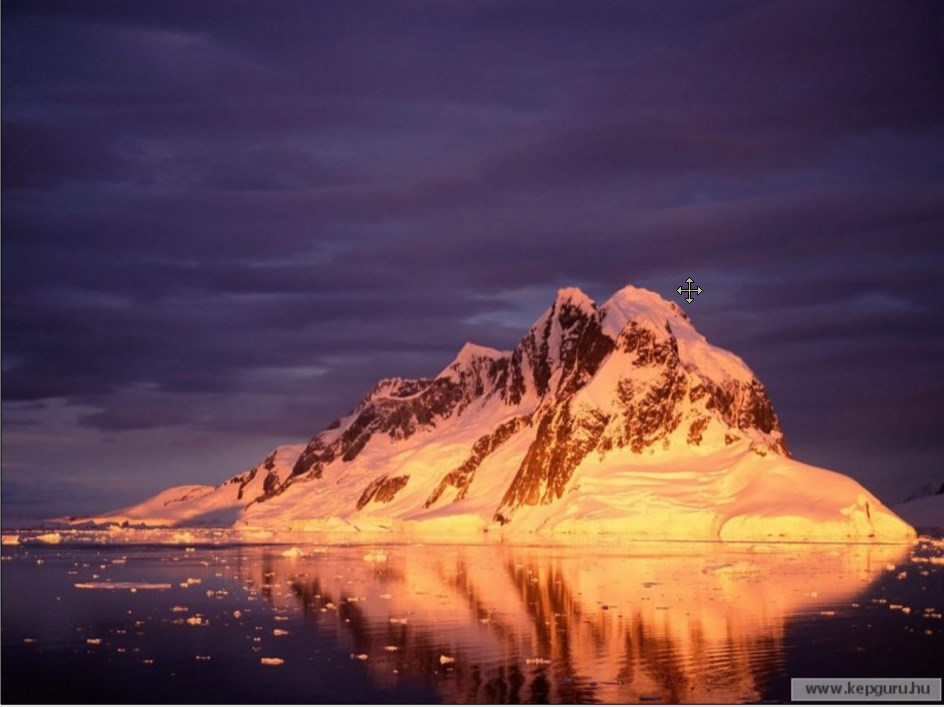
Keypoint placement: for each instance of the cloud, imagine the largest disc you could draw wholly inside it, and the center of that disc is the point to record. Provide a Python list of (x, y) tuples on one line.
[(203, 201)]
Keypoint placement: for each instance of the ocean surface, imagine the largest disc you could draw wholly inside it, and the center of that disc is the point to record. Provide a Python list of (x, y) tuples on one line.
[(106, 617)]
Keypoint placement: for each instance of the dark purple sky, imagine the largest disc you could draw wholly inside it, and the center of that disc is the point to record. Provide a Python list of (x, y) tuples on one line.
[(223, 221)]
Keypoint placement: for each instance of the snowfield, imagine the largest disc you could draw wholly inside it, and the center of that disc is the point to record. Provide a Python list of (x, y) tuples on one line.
[(619, 419)]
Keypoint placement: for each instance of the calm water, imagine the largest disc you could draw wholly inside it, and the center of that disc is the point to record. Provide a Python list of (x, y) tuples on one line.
[(683, 622)]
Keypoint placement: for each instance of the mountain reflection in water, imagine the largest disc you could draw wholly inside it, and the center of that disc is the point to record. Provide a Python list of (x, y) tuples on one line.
[(675, 622)]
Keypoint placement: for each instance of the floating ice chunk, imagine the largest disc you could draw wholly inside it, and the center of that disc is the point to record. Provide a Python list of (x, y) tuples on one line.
[(271, 661), (359, 656), (178, 609), (93, 641), (279, 632), (197, 620), (237, 614), (391, 649), (292, 552), (446, 660), (398, 621)]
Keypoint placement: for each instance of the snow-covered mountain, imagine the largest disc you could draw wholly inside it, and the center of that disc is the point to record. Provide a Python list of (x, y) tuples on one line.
[(617, 418), (924, 508)]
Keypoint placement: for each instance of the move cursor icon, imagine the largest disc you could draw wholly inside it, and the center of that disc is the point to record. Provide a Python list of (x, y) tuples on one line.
[(689, 290)]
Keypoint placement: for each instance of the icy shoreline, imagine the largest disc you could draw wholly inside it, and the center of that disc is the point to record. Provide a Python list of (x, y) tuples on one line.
[(311, 540)]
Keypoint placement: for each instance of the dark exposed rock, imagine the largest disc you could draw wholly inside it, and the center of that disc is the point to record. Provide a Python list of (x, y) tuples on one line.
[(244, 480), (271, 483), (744, 406), (649, 412), (382, 489), (358, 434), (461, 477), (563, 440), (656, 415), (649, 349), (542, 362), (400, 408), (316, 456), (582, 360), (403, 388), (696, 429), (397, 409), (755, 410), (543, 354), (511, 378)]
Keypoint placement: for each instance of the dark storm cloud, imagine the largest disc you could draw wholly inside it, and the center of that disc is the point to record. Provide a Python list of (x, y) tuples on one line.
[(235, 217)]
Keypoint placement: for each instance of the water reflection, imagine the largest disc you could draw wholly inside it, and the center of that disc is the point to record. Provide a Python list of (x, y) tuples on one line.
[(670, 623)]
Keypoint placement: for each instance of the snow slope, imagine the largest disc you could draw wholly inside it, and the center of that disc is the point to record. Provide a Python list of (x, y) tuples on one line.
[(924, 512), (209, 505), (618, 418)]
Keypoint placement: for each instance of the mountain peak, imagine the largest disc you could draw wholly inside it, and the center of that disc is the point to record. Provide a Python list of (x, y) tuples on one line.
[(641, 305), (575, 297), (472, 350), (469, 356)]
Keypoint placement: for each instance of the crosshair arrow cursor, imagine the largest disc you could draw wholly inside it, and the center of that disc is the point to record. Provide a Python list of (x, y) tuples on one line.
[(689, 290)]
